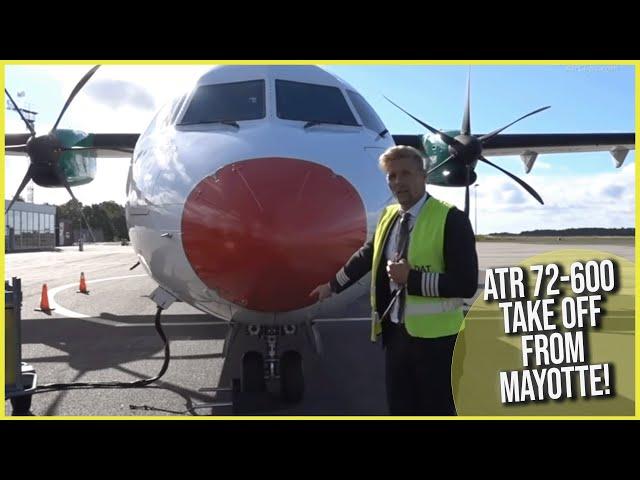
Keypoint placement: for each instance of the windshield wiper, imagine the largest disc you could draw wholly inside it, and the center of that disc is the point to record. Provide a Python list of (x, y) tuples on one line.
[(383, 133), (231, 123), (312, 123)]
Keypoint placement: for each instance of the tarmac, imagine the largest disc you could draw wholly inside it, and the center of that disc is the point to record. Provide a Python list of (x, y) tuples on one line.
[(109, 335)]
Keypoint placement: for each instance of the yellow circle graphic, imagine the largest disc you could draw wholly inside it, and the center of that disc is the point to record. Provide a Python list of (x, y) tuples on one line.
[(484, 350)]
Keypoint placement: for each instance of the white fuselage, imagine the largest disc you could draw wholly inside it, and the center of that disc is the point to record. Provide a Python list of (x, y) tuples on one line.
[(170, 160)]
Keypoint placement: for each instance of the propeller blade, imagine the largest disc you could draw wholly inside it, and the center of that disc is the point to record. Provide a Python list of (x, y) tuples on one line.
[(523, 184), (496, 132), (466, 191), (15, 147), (28, 124), (63, 178), (75, 91), (452, 142), (466, 119), (25, 180), (440, 165), (93, 239)]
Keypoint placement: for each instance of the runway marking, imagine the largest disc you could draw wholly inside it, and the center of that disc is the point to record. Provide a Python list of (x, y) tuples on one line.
[(112, 323), (70, 313)]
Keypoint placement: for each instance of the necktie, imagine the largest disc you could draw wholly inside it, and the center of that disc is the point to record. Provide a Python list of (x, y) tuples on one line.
[(402, 250), (402, 242)]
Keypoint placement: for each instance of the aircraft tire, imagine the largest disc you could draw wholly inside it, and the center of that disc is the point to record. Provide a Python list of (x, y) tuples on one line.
[(21, 406), (291, 377), (253, 372)]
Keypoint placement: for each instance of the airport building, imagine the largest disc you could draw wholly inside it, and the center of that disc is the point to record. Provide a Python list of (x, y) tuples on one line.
[(29, 226)]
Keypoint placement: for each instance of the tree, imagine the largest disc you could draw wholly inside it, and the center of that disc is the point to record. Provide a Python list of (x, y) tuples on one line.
[(106, 216), (70, 211), (115, 217)]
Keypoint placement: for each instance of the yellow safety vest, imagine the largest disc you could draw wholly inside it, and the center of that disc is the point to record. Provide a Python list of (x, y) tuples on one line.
[(425, 317)]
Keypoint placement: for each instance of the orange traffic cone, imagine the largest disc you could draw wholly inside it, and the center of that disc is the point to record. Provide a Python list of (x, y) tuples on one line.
[(44, 301), (83, 285)]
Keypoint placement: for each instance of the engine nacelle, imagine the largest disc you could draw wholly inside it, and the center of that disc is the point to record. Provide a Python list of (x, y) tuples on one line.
[(79, 167), (451, 175)]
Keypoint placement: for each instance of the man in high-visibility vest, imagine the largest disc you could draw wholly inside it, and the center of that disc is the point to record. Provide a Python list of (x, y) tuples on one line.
[(423, 262)]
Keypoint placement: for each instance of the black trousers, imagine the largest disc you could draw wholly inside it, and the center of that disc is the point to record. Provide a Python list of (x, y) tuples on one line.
[(418, 372)]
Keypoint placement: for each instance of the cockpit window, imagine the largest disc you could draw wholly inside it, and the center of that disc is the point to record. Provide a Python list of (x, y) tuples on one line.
[(226, 102), (312, 103), (177, 106), (368, 115)]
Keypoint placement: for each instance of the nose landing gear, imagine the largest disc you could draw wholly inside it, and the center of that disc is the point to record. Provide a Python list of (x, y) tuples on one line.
[(287, 369)]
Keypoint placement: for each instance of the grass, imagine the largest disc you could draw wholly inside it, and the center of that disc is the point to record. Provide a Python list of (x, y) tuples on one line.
[(558, 240)]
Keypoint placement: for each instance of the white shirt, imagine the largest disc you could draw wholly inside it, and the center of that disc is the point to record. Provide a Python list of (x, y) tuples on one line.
[(391, 247)]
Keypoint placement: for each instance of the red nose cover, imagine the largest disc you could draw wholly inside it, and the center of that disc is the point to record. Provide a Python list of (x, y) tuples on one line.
[(264, 232)]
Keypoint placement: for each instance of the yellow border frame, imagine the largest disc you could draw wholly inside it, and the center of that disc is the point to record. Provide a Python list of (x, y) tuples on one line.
[(636, 63)]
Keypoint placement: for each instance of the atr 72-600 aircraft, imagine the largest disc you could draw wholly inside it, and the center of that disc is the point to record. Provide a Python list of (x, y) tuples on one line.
[(258, 184)]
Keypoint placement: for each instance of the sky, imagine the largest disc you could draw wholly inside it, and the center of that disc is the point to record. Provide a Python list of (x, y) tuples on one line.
[(579, 190)]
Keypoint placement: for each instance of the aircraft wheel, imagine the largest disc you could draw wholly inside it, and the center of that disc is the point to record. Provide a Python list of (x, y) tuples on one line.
[(291, 377), (253, 372), (21, 406)]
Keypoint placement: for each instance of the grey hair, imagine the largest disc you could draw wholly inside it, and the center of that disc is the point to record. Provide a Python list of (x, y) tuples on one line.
[(404, 151)]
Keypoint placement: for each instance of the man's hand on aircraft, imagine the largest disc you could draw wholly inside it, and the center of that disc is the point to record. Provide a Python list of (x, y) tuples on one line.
[(322, 291)]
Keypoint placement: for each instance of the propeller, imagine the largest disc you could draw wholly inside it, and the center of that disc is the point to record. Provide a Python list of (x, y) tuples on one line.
[(522, 183), (466, 119), (73, 94), (467, 148), (63, 178), (44, 151), (446, 138)]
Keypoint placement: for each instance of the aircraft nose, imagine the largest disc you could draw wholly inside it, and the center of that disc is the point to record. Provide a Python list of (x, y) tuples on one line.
[(264, 232)]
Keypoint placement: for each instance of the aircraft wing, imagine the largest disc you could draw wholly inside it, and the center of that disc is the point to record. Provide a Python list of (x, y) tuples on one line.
[(110, 145), (527, 143), (530, 145)]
